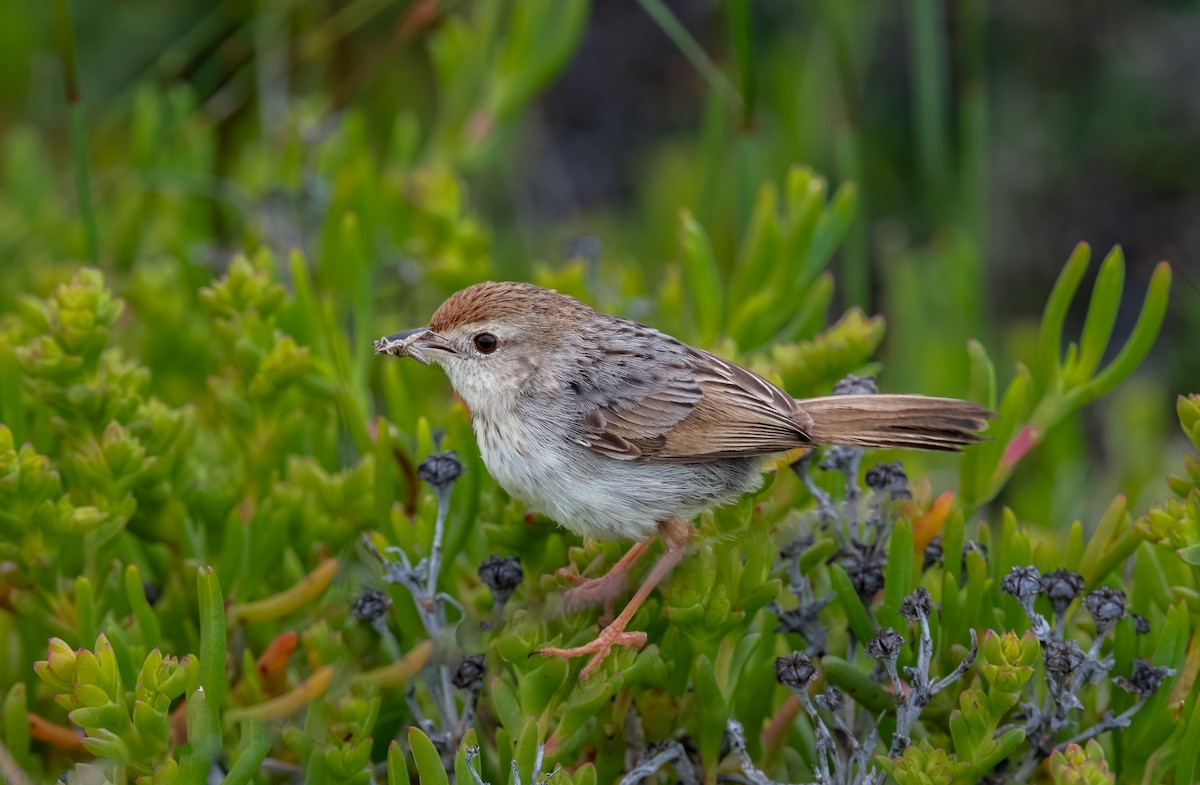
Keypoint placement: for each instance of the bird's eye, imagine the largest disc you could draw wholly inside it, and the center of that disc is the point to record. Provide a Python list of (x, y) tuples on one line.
[(486, 343)]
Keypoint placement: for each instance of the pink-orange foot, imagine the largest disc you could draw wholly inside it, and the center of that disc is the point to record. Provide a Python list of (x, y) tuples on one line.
[(603, 590), (600, 648), (595, 591)]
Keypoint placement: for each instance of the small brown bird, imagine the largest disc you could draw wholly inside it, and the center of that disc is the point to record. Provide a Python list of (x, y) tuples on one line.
[(620, 432)]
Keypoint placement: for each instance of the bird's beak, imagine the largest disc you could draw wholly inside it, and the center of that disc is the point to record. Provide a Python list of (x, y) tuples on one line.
[(413, 343)]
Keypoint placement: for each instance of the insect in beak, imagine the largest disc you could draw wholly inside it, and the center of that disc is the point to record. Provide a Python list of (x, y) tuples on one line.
[(413, 343)]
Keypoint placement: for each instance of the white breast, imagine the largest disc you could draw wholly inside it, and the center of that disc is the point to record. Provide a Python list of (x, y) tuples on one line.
[(595, 495)]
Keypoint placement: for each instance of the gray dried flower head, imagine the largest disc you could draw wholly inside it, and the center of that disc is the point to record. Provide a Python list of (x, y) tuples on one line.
[(916, 606), (440, 469), (1023, 583), (372, 604), (502, 574), (794, 670), (1061, 587), (864, 566), (1107, 607), (856, 385), (799, 620), (1145, 679), (1141, 624), (888, 478), (885, 645), (152, 591), (470, 672), (1063, 658), (933, 553), (831, 698)]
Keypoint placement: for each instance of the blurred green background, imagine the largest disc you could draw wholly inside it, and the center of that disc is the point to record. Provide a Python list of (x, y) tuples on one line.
[(810, 188), (472, 140)]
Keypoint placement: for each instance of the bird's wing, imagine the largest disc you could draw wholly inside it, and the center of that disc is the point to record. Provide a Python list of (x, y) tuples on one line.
[(694, 406)]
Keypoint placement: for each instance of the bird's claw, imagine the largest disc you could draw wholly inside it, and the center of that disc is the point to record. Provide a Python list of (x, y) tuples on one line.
[(600, 648)]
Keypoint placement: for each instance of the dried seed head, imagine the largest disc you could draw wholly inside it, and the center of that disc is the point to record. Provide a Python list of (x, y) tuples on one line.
[(1145, 679), (1061, 587), (470, 672), (152, 591), (933, 553), (1140, 624), (1107, 606), (372, 604), (1063, 658), (888, 478), (440, 469), (916, 606), (885, 645), (832, 698), (799, 620), (865, 568), (856, 385), (795, 670), (502, 574), (1023, 583)]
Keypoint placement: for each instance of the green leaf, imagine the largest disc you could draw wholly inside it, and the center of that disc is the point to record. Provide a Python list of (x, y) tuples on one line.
[(426, 758), (997, 750), (1055, 316), (253, 752), (759, 251), (831, 228), (462, 774), (952, 545), (316, 773), (1188, 749), (204, 740), (817, 553), (950, 614), (712, 710), (538, 686), (147, 621), (996, 458), (982, 383), (1149, 322), (1101, 316), (856, 612), (85, 610), (212, 640), (1074, 552), (384, 492), (507, 706), (397, 765), (527, 749), (898, 578), (16, 725), (1104, 533), (585, 775), (860, 686), (703, 278)]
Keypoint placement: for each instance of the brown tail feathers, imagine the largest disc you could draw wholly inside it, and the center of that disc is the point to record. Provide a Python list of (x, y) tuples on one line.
[(908, 422)]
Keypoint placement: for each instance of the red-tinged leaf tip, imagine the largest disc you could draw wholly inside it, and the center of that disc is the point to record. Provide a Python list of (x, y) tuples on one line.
[(1024, 441)]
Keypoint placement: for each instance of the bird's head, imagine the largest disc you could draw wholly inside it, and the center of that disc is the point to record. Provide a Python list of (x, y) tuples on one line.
[(496, 340)]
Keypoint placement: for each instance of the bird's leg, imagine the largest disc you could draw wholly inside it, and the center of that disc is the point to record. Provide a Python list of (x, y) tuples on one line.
[(675, 534), (604, 589)]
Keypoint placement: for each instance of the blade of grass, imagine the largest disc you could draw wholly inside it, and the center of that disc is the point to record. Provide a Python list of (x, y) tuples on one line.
[(929, 89), (693, 51), (743, 56), (78, 123)]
